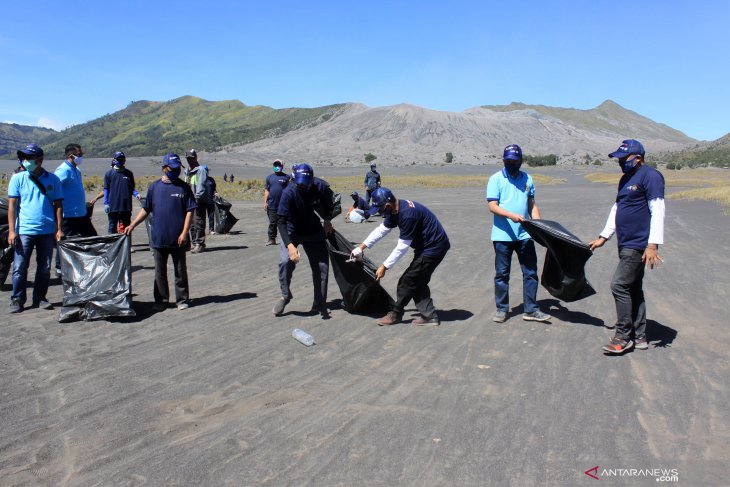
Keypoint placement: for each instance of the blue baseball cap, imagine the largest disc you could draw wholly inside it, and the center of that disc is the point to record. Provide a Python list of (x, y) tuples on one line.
[(303, 174), (512, 153), (172, 161), (381, 197), (118, 155), (627, 148), (354, 194), (30, 150)]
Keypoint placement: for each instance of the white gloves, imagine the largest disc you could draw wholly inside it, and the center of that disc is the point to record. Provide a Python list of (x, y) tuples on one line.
[(356, 254)]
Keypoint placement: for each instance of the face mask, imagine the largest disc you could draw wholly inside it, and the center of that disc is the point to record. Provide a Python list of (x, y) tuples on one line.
[(303, 188), (513, 168), (118, 168), (173, 174), (30, 165), (278, 169), (626, 165), (78, 160)]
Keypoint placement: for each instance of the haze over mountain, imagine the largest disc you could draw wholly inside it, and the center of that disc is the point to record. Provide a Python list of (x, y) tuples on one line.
[(14, 136), (341, 134)]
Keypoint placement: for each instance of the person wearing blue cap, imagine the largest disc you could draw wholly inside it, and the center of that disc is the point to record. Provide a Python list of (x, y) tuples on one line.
[(372, 182), (118, 191), (171, 204), (35, 220), (637, 219), (421, 230), (273, 187), (511, 199), (76, 218), (300, 225)]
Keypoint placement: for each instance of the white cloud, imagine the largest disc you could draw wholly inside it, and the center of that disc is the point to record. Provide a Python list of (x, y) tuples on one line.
[(11, 121), (51, 123)]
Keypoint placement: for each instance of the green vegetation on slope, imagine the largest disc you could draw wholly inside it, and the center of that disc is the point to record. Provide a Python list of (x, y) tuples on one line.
[(153, 128), (717, 154), (14, 137)]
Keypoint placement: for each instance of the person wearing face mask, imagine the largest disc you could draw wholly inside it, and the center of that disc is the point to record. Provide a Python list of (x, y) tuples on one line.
[(76, 221), (421, 230), (35, 217), (118, 191), (637, 219), (171, 204), (196, 177), (511, 199), (300, 225), (273, 187)]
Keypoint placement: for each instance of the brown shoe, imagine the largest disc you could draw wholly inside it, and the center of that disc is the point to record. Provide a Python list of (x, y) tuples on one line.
[(421, 321), (389, 319)]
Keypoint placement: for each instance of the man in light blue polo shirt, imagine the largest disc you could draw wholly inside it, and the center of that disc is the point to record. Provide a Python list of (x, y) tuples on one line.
[(76, 222), (34, 219), (511, 198)]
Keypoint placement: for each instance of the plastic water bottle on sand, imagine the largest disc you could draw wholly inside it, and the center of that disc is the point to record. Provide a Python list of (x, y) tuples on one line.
[(303, 337)]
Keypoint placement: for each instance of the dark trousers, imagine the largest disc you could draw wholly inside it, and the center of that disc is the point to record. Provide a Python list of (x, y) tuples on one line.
[(197, 233), (43, 245), (80, 226), (413, 284), (273, 219), (628, 293), (115, 217), (368, 195), (210, 209), (162, 290), (527, 257), (316, 250)]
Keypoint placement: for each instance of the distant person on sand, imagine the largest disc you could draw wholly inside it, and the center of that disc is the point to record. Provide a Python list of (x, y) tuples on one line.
[(372, 182), (299, 224), (76, 220), (273, 187), (171, 203), (231, 178), (637, 219), (421, 230), (35, 220), (118, 192), (511, 198), (359, 205), (211, 191), (196, 176), (225, 177)]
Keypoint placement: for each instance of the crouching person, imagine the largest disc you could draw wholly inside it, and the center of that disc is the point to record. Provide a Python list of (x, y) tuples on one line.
[(171, 203), (420, 229)]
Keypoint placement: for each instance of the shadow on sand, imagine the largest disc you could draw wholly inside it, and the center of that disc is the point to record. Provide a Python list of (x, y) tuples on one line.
[(225, 247), (560, 312)]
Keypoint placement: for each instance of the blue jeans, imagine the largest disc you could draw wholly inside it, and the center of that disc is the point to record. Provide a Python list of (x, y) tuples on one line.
[(44, 245), (503, 262)]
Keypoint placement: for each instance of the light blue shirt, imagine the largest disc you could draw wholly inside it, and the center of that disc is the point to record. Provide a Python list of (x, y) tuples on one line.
[(74, 202), (35, 214), (512, 194)]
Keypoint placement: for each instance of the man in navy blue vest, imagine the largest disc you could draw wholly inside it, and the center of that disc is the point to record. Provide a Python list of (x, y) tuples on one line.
[(299, 224), (637, 219), (117, 193), (421, 230)]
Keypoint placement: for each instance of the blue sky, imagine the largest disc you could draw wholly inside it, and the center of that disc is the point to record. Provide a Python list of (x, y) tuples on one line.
[(73, 61)]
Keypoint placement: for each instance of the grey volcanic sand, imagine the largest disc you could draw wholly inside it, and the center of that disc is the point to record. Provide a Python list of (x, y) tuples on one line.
[(220, 394)]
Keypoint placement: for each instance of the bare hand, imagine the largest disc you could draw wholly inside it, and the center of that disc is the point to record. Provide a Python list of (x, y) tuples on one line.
[(594, 244), (182, 239), (293, 253), (266, 207), (128, 230), (59, 235), (651, 258), (517, 218), (380, 273), (328, 228), (13, 239)]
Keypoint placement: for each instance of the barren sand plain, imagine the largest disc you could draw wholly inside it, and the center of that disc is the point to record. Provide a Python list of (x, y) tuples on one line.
[(220, 394)]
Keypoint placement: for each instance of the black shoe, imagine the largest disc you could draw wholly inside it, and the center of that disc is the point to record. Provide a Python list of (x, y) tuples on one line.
[(15, 306), (320, 309)]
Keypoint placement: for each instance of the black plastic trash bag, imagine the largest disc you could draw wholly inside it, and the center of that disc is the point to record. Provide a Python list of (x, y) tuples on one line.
[(3, 211), (224, 219), (563, 274), (356, 280), (97, 277), (6, 254)]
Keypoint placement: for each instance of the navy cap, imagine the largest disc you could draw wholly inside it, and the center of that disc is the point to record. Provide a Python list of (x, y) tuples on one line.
[(191, 153), (303, 174), (118, 155), (512, 153), (172, 161), (354, 194), (627, 148), (373, 166), (30, 150), (278, 163), (381, 197)]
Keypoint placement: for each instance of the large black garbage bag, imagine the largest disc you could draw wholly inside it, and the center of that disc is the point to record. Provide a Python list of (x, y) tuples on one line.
[(97, 277), (563, 274), (6, 254), (356, 280), (224, 219), (3, 211)]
